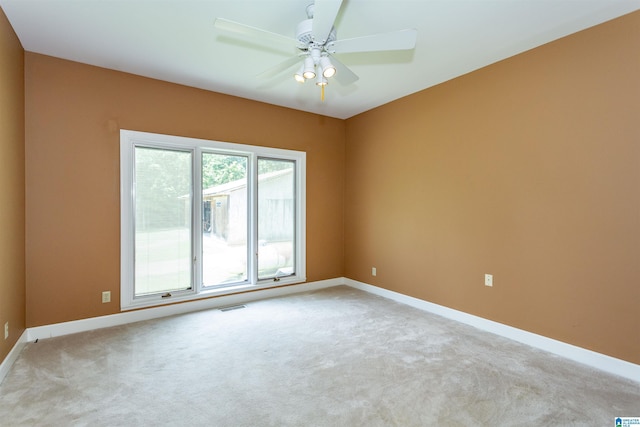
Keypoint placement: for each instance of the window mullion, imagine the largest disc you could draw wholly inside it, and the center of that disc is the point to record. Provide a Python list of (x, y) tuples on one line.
[(197, 220), (253, 215)]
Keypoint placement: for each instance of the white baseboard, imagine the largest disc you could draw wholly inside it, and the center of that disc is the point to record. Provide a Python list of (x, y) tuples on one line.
[(8, 361), (587, 357), (66, 328)]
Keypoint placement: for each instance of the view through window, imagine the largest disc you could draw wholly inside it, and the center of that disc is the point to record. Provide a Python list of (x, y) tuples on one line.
[(201, 217)]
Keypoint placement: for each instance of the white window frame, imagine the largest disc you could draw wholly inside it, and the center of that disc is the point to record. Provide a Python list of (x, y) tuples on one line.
[(129, 140)]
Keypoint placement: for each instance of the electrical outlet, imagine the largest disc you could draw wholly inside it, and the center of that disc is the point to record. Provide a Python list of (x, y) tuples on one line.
[(373, 271), (488, 279), (6, 330), (106, 296)]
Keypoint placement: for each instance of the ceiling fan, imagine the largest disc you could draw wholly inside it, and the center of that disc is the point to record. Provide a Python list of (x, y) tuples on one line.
[(316, 40)]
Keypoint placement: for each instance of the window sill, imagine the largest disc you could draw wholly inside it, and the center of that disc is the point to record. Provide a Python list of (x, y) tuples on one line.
[(157, 300)]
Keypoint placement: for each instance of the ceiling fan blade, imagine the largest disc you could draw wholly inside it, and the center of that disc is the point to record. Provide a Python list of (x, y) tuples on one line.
[(249, 31), (344, 75), (279, 68), (324, 15), (397, 40)]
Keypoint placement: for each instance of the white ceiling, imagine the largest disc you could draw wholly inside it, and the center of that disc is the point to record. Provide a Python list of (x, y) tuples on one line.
[(175, 40)]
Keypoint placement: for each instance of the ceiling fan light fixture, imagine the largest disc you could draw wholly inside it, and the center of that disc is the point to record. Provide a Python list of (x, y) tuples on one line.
[(309, 68), (299, 74), (321, 80), (316, 41), (328, 69)]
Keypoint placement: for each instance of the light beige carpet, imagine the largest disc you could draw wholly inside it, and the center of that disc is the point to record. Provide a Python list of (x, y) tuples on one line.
[(336, 357)]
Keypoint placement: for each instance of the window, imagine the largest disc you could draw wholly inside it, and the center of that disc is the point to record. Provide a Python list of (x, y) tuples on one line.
[(202, 218)]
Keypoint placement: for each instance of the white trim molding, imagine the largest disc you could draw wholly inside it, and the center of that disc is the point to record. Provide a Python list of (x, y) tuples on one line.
[(8, 361), (75, 326), (83, 325), (590, 358)]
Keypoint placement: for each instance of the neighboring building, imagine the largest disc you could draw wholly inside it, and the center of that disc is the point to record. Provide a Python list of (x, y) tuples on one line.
[(225, 208)]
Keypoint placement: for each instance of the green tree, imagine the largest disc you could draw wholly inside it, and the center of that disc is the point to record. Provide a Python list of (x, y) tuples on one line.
[(222, 168), (163, 179), (269, 165)]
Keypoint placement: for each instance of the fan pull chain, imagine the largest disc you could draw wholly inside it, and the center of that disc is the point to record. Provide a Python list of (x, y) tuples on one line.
[(322, 93)]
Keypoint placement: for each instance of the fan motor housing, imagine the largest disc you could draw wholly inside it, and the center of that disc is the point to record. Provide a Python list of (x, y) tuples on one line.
[(304, 35)]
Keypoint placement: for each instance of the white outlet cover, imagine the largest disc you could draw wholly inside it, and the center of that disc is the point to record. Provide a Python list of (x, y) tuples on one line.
[(488, 279), (106, 296)]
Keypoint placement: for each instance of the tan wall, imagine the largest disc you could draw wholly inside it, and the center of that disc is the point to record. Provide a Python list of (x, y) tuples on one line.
[(12, 269), (74, 113), (528, 169)]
